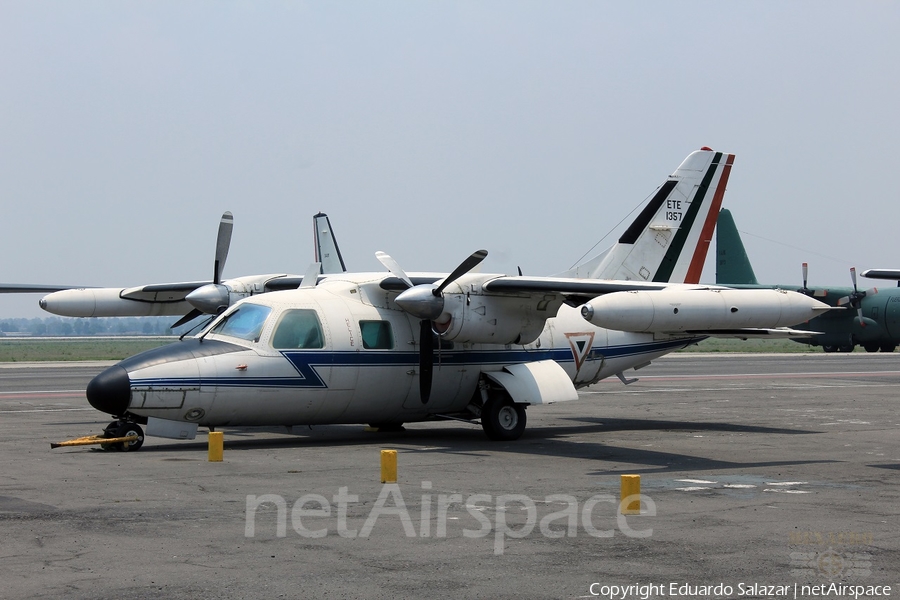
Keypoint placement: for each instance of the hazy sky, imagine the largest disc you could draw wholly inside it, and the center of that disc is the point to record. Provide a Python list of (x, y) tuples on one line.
[(431, 129)]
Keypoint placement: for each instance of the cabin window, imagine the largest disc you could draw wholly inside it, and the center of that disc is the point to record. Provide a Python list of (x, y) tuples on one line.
[(298, 328), (245, 322), (376, 335)]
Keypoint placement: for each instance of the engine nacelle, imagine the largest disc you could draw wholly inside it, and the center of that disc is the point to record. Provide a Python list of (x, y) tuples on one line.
[(674, 310), (483, 319)]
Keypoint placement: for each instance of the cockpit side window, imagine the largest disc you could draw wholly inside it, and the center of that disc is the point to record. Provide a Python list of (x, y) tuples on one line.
[(245, 322), (298, 328), (377, 335)]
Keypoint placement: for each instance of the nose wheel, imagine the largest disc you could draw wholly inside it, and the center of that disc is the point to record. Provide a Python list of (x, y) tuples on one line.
[(120, 429)]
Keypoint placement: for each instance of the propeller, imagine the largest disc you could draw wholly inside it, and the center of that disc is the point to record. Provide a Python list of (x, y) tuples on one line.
[(805, 270), (212, 298), (426, 301), (855, 298)]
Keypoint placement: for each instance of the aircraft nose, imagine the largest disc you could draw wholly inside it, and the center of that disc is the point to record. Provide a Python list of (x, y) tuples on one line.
[(110, 391)]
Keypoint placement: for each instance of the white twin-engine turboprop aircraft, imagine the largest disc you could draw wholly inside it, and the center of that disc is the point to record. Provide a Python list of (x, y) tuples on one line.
[(390, 348)]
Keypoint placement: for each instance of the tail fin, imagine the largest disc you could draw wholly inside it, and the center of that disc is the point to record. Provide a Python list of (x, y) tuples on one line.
[(327, 251), (669, 239), (732, 263)]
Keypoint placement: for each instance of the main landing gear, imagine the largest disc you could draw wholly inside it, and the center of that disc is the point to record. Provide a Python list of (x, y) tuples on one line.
[(501, 419), (841, 348), (121, 429)]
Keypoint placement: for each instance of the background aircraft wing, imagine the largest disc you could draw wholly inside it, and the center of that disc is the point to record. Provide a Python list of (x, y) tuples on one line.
[(26, 288), (882, 274)]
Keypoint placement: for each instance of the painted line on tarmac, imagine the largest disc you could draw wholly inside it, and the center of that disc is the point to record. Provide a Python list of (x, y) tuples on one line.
[(657, 390), (42, 394), (831, 375), (41, 410)]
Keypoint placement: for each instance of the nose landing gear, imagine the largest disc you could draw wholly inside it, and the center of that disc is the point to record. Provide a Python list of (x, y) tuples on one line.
[(123, 429), (124, 436)]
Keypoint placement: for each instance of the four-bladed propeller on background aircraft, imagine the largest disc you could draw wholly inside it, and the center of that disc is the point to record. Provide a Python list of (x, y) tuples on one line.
[(426, 301), (855, 298), (212, 298)]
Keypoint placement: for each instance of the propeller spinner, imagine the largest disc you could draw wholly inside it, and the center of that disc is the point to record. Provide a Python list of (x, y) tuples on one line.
[(212, 298), (426, 302)]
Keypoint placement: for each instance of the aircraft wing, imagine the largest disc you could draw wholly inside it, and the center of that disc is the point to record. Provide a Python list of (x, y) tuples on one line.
[(162, 292), (576, 291), (26, 288), (673, 307)]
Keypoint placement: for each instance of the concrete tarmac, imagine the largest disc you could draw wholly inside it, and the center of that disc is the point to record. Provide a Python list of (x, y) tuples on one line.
[(764, 475)]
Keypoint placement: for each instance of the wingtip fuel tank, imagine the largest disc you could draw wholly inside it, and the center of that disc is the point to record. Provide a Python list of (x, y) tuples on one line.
[(678, 310)]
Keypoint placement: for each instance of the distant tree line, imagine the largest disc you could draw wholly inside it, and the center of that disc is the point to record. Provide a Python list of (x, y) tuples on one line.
[(99, 326)]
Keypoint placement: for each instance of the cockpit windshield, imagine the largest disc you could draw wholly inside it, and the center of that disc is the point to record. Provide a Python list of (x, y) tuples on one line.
[(245, 322)]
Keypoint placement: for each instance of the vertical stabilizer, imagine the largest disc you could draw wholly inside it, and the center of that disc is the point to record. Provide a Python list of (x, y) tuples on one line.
[(669, 239), (326, 247), (732, 264)]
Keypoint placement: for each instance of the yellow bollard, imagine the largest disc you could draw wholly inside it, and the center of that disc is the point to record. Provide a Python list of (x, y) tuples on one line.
[(631, 486), (388, 466), (216, 446)]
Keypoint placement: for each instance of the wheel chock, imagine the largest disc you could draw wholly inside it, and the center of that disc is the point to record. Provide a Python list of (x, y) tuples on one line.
[(89, 440)]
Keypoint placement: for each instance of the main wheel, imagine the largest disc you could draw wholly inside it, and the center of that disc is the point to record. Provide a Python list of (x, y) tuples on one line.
[(888, 348), (846, 348), (387, 427), (871, 347), (829, 349), (502, 420), (118, 429)]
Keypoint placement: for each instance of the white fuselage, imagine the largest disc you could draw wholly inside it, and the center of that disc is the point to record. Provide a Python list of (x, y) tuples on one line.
[(253, 383)]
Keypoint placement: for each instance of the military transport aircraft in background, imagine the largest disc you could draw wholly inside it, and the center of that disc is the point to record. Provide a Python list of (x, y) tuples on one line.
[(190, 298), (389, 348), (872, 318)]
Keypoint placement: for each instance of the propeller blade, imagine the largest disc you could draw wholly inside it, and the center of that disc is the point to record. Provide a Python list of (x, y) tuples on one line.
[(805, 269), (223, 242), (312, 276), (856, 297), (426, 359), (394, 267), (464, 267), (188, 317)]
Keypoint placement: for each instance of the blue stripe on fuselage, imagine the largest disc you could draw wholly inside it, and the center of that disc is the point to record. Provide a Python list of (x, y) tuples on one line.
[(306, 361)]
